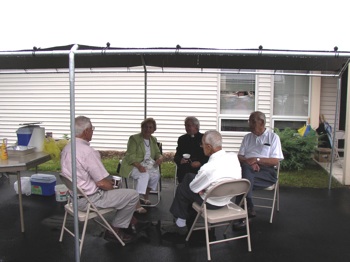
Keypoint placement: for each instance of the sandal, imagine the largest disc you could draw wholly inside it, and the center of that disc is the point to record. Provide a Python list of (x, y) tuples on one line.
[(145, 202), (141, 210)]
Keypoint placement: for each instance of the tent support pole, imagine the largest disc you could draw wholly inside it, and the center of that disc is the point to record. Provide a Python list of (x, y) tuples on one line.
[(145, 89), (334, 132), (73, 152)]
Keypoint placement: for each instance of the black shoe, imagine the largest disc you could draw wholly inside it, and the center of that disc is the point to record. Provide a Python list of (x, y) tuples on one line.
[(173, 228), (139, 226), (251, 212), (125, 237), (239, 224)]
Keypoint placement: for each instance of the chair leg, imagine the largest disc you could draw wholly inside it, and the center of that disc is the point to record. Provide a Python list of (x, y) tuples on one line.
[(126, 182), (157, 192), (193, 226), (107, 226), (278, 196), (63, 226), (207, 234), (247, 226), (248, 236), (275, 198), (160, 184), (272, 210), (84, 229)]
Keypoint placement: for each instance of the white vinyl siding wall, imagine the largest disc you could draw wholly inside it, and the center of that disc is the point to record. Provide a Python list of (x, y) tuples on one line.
[(114, 102), (264, 88), (329, 99)]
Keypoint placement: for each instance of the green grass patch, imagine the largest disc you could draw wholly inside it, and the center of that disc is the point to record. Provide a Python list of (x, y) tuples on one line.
[(111, 164), (51, 165), (313, 176)]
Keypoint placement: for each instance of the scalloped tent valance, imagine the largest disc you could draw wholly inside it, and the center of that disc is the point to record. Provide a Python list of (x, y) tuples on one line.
[(200, 58)]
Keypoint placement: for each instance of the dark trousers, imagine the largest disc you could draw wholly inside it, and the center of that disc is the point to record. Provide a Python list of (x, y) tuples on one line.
[(184, 169), (184, 197), (266, 177)]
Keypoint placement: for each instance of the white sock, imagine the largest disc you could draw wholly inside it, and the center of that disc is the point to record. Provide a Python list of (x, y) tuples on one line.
[(181, 222)]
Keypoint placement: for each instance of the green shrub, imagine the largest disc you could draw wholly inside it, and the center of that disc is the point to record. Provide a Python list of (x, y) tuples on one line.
[(297, 150)]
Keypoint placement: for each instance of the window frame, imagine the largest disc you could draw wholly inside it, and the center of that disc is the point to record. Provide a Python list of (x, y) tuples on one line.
[(292, 118), (238, 117)]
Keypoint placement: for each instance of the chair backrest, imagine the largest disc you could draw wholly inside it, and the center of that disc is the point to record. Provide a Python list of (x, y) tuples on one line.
[(69, 184), (119, 166), (160, 146), (229, 188)]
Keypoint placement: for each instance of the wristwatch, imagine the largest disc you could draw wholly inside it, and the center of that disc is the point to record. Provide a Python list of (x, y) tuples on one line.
[(258, 159)]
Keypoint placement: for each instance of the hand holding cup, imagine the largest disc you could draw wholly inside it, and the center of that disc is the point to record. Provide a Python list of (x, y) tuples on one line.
[(187, 158), (117, 181)]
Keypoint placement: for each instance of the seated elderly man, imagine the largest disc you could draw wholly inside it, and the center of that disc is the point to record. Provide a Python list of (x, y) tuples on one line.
[(221, 166), (189, 143), (92, 177), (259, 153)]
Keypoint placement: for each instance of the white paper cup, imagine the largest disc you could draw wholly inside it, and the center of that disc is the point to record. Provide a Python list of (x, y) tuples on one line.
[(117, 181), (186, 156)]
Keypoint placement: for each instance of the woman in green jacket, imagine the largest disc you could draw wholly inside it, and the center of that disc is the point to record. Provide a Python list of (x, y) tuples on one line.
[(142, 160)]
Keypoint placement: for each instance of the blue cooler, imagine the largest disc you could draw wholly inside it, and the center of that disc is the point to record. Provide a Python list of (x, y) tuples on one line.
[(43, 184)]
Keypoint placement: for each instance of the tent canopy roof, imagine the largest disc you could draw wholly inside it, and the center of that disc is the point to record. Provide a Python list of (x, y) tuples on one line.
[(98, 57)]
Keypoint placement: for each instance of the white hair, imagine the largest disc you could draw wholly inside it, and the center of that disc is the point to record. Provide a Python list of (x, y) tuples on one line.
[(193, 120), (81, 123), (213, 138)]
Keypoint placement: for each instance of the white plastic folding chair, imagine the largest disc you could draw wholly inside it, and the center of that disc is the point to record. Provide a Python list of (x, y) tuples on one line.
[(273, 201), (225, 215), (92, 212)]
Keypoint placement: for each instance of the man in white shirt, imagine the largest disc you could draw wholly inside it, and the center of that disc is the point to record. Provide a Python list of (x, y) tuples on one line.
[(259, 153), (221, 166)]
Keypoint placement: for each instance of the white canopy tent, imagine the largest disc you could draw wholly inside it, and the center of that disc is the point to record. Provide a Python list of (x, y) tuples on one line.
[(92, 59)]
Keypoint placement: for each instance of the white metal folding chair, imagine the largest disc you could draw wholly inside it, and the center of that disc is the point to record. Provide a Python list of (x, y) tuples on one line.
[(225, 215), (274, 201), (85, 216)]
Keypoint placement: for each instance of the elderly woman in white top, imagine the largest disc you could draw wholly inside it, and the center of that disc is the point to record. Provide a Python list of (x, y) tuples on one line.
[(142, 159)]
